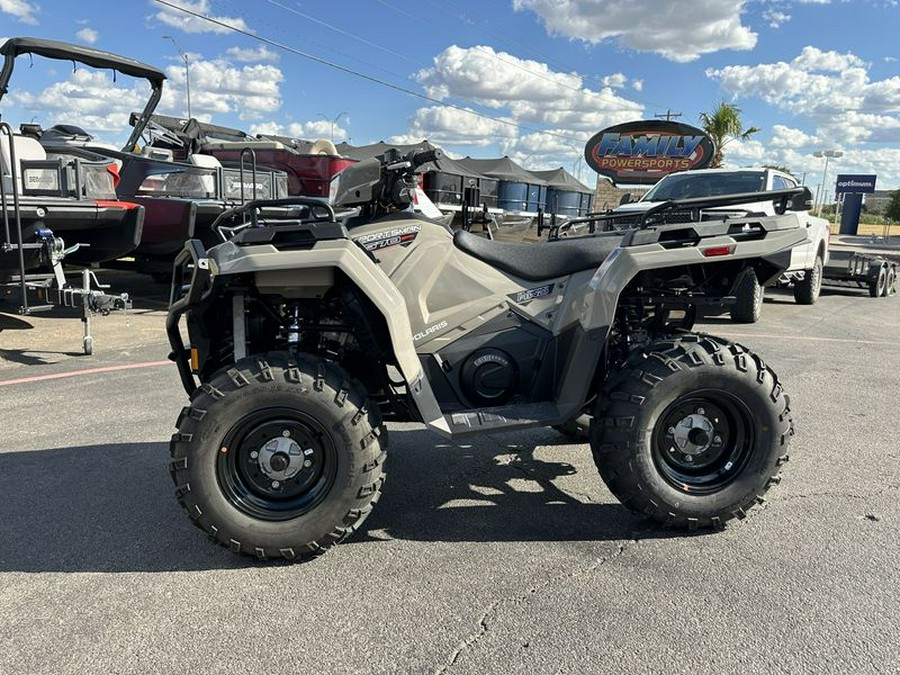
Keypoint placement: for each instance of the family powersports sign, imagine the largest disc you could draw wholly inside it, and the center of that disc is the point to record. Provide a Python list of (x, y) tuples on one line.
[(642, 152)]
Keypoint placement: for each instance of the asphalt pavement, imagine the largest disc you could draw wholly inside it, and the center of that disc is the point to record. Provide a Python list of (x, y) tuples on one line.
[(505, 554)]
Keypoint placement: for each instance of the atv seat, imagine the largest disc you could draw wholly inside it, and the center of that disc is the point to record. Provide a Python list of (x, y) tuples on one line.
[(542, 260)]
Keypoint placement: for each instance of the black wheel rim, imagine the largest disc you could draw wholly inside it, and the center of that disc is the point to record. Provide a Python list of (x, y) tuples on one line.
[(276, 464), (702, 441)]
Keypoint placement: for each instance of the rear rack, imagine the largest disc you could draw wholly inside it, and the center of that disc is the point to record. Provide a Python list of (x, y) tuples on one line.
[(791, 199)]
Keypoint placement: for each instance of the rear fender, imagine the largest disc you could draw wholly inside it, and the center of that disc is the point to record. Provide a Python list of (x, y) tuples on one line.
[(311, 272)]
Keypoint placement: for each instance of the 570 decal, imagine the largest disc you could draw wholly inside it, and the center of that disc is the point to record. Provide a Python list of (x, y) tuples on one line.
[(399, 236)]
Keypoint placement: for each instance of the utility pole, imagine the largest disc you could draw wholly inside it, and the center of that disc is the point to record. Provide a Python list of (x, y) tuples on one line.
[(332, 121), (187, 71), (668, 115), (827, 154)]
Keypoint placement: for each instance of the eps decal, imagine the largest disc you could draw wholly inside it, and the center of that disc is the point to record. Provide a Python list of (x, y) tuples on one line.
[(524, 297)]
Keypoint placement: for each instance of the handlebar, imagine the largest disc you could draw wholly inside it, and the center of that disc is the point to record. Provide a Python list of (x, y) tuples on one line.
[(420, 158)]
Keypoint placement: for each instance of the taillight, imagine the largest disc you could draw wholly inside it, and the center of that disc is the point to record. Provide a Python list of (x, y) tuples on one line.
[(714, 251), (114, 171)]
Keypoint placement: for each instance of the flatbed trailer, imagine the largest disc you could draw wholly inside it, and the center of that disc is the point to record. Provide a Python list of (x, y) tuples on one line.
[(864, 262)]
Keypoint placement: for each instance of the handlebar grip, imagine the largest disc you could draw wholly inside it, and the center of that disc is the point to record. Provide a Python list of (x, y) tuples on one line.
[(421, 158)]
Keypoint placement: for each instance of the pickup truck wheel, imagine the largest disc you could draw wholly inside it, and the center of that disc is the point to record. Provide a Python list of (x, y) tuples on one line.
[(806, 291), (749, 298), (878, 285), (278, 457), (691, 432)]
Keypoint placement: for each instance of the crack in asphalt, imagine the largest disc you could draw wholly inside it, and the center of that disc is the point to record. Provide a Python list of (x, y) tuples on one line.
[(472, 639), (838, 493)]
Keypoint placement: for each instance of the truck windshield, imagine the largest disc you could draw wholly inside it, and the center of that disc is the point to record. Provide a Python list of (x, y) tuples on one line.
[(685, 186)]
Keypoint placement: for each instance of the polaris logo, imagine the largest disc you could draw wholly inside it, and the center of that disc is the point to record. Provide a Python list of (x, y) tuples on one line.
[(533, 293), (428, 331), (399, 235)]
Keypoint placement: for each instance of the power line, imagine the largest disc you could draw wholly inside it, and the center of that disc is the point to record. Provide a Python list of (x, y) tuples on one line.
[(355, 73)]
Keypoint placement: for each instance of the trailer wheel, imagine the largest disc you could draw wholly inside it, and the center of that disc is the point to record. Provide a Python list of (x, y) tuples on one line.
[(878, 285), (749, 297), (278, 457), (806, 291), (891, 280), (691, 432)]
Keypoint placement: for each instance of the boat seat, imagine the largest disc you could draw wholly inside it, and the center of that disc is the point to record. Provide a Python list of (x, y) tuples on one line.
[(207, 178), (26, 148), (541, 260)]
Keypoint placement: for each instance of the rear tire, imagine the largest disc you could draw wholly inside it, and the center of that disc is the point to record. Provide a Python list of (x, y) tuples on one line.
[(279, 458), (806, 291), (749, 297), (692, 432)]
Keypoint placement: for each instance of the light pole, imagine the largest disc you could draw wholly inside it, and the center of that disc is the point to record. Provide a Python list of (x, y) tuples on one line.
[(187, 71), (827, 154), (332, 121)]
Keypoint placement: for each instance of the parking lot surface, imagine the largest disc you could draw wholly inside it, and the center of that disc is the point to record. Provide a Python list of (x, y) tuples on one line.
[(505, 554)]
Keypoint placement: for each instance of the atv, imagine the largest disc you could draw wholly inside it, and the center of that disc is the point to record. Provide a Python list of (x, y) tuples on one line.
[(305, 336)]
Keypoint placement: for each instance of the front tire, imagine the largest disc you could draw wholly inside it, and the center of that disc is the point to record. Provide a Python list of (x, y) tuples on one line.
[(279, 458), (748, 298), (806, 291), (692, 432)]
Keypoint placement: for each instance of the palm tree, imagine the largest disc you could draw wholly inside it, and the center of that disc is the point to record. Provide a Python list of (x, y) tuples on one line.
[(723, 126)]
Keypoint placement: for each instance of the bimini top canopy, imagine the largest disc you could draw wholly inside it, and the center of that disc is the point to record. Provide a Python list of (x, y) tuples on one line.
[(53, 49), (65, 51)]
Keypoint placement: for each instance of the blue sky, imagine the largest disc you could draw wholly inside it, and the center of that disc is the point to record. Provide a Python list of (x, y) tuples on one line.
[(542, 75)]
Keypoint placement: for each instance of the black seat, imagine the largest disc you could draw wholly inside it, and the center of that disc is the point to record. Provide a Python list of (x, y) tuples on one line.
[(542, 260)]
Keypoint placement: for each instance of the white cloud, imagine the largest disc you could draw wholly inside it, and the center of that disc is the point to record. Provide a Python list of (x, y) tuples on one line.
[(518, 91), (529, 91), (260, 54), (442, 124), (832, 89), (22, 10), (88, 35), (776, 18), (680, 30), (191, 24), (88, 99), (637, 85), (218, 87), (787, 137), (616, 80), (309, 131)]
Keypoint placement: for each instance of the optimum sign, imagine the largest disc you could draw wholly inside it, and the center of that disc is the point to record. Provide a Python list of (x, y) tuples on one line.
[(640, 153)]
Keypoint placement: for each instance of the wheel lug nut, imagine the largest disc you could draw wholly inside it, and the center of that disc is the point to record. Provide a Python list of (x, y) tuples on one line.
[(254, 454), (688, 459), (701, 411), (276, 484), (717, 439), (286, 433), (671, 431), (307, 463)]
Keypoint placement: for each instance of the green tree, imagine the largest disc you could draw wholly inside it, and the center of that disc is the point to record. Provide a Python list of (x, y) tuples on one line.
[(892, 212), (782, 169), (724, 125)]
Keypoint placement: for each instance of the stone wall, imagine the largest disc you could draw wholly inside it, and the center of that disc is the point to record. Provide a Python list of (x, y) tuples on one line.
[(607, 196)]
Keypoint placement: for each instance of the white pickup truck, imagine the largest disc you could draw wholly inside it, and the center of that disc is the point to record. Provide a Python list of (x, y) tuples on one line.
[(807, 259)]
